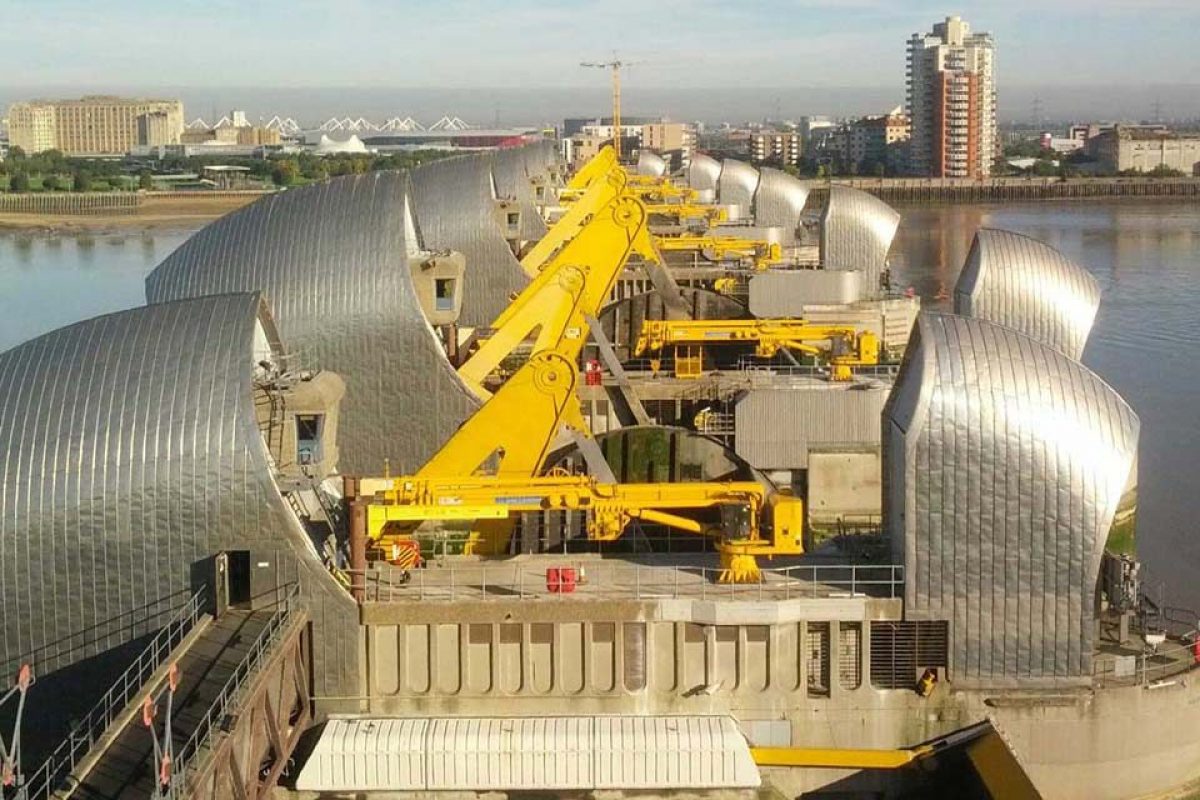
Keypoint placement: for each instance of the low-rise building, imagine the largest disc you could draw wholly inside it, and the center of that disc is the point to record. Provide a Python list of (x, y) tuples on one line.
[(780, 147), (865, 146), (1143, 149)]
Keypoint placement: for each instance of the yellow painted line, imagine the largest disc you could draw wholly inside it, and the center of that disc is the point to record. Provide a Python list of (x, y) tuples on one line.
[(834, 758)]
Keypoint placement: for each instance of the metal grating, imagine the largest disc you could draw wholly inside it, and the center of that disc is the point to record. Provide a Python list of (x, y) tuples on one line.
[(849, 655), (816, 652), (901, 650)]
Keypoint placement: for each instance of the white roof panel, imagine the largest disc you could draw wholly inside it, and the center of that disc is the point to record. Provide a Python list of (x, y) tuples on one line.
[(529, 753)]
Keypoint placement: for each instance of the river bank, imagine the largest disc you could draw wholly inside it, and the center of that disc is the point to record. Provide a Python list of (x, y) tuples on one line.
[(168, 211)]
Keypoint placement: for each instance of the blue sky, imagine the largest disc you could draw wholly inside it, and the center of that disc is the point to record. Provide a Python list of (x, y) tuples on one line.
[(683, 43)]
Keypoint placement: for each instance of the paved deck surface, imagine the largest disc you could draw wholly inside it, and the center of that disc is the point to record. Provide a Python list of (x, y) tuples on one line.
[(125, 770), (526, 577)]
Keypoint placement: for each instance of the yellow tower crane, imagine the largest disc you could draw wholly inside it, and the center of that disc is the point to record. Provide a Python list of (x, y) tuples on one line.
[(614, 65)]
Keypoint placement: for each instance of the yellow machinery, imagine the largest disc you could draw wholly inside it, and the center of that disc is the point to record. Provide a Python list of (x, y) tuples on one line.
[(488, 472), (844, 346), (759, 253)]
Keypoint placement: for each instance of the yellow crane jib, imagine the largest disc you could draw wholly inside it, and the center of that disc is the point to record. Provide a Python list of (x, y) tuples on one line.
[(841, 346), (752, 523)]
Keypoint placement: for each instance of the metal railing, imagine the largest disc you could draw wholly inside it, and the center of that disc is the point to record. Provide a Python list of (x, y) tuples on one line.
[(1149, 669), (186, 756), (84, 735), (597, 580)]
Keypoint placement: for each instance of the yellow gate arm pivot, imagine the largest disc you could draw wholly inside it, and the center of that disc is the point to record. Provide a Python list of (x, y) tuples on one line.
[(574, 285)]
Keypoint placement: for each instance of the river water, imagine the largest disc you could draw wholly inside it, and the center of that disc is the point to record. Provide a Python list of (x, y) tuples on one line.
[(1146, 256)]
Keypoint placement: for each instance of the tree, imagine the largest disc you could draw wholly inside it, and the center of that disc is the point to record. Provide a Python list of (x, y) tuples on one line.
[(51, 183), (145, 180), (82, 181), (285, 173), (16, 153), (19, 182)]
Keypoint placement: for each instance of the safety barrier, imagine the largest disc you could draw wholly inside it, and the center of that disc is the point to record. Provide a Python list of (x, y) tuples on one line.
[(598, 580), (186, 759), (84, 735), (70, 203)]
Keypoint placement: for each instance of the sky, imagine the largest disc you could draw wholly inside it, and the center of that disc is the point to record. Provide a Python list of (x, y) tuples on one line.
[(1119, 46)]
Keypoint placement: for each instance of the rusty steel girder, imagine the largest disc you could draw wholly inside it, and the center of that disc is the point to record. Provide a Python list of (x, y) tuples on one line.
[(253, 745)]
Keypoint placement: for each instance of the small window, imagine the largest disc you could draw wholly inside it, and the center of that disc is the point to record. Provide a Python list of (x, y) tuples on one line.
[(443, 294), (308, 437), (514, 219)]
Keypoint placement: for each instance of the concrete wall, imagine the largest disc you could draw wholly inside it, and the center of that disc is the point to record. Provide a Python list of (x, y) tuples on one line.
[(844, 485), (760, 662)]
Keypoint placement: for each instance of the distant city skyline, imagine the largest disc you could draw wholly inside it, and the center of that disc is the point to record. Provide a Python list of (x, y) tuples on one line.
[(547, 105), (682, 43)]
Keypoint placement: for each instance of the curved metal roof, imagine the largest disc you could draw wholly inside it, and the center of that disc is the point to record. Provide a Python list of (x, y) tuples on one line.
[(515, 171), (332, 261), (651, 164), (704, 172), (779, 201), (857, 229), (1029, 286), (129, 453), (737, 184), (1004, 465), (454, 202)]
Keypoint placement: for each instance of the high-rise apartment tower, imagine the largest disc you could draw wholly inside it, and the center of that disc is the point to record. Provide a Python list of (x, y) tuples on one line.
[(952, 101)]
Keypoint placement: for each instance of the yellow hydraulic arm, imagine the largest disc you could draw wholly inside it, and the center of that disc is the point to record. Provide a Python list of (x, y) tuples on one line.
[(573, 278), (760, 253), (842, 346), (610, 507), (595, 169)]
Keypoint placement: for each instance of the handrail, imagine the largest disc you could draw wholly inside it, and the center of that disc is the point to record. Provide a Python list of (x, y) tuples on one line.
[(84, 735), (186, 755), (1149, 668), (599, 580)]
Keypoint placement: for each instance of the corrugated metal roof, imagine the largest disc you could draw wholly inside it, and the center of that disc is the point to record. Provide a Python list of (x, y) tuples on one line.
[(529, 754), (1019, 282), (857, 229), (1004, 465), (737, 184), (130, 452), (651, 164), (777, 427), (779, 201), (332, 261), (454, 201), (703, 173)]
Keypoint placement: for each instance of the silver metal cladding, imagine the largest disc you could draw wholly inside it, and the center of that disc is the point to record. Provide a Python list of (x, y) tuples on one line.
[(1019, 282), (651, 164), (130, 453), (516, 172), (332, 260), (857, 229), (779, 202), (1004, 463), (703, 173), (455, 204), (737, 184)]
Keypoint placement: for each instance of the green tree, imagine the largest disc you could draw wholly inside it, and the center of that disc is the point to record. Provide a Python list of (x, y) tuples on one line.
[(285, 173), (82, 181), (16, 153), (19, 182), (51, 183), (145, 180)]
